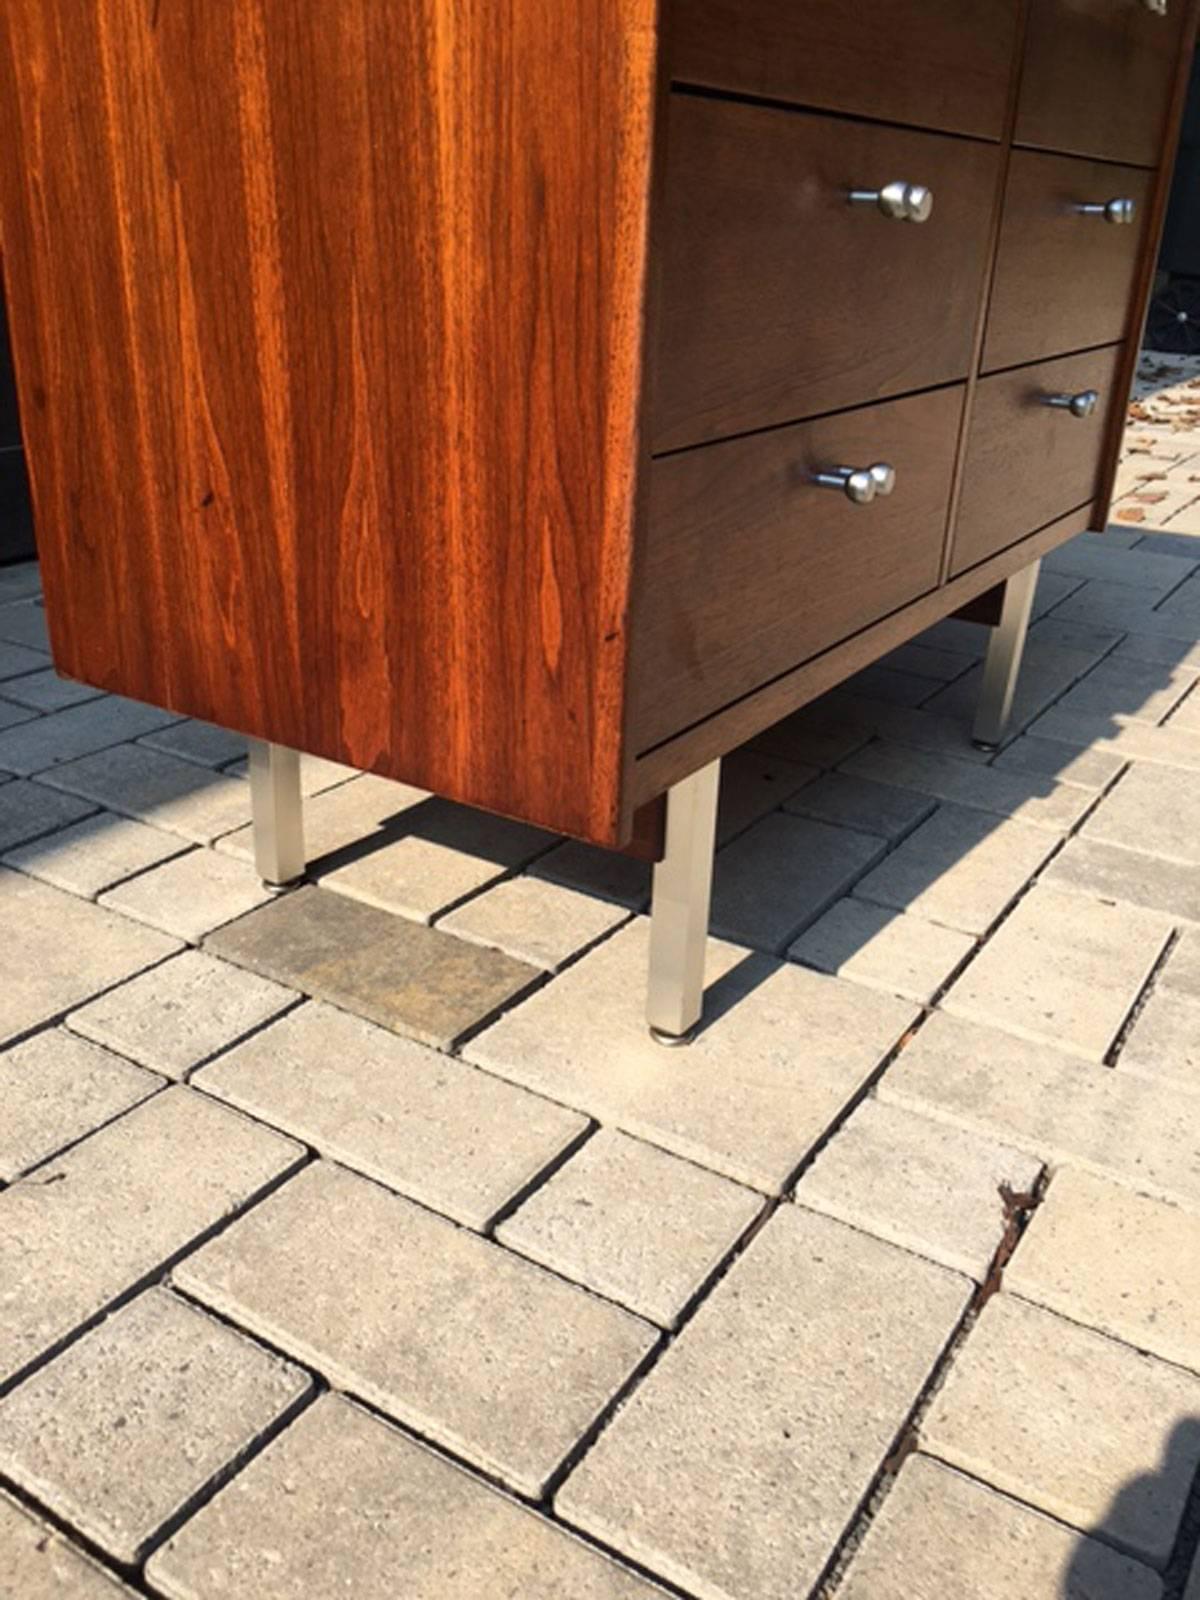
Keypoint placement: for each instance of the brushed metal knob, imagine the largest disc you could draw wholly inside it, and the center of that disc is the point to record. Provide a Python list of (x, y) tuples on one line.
[(1116, 211), (1082, 404), (859, 484), (903, 202), (1159, 7)]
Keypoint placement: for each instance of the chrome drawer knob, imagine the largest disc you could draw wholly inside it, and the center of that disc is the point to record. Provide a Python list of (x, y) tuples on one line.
[(1159, 7), (1116, 211), (903, 202), (1082, 404), (859, 484)]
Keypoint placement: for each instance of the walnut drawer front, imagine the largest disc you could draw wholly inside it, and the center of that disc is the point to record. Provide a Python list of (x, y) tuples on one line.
[(1063, 276), (779, 298), (1028, 462), (1097, 77), (750, 568), (940, 64)]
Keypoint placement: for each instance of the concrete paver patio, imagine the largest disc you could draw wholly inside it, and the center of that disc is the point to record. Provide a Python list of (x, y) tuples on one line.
[(358, 1241)]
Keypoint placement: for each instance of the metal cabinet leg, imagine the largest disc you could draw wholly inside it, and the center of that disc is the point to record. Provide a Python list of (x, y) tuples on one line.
[(679, 914), (278, 814), (1003, 663)]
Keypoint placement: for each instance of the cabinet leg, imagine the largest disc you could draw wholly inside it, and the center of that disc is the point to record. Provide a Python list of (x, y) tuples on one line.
[(1002, 665), (278, 813), (680, 909)]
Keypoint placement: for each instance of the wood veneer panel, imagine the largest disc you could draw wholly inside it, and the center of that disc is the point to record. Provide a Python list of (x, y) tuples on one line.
[(327, 325), (1064, 281), (1098, 77), (658, 769), (779, 299), (749, 567), (1028, 463), (938, 64)]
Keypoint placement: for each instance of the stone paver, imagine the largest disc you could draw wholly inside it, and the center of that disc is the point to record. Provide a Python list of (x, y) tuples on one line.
[(1151, 810), (417, 980), (881, 681), (1063, 969), (820, 734), (1104, 604), (940, 1535), (1165, 1041), (30, 811), (472, 1346), (90, 856), (1160, 649), (455, 1138), (1087, 769), (1049, 667), (753, 1092), (182, 1012), (343, 1493), (1029, 799), (1181, 971), (55, 1088), (734, 1467), (961, 868), (16, 661), (1088, 558), (534, 920), (21, 581), (316, 773), (65, 735), (1168, 746), (159, 789), (129, 1424), (753, 785), (943, 731), (774, 880), (61, 950), (866, 807), (1051, 1104), (25, 624), (202, 742), (39, 1564), (1126, 690), (118, 1206), (621, 879), (1110, 872), (46, 691), (437, 855), (1117, 1261), (883, 949), (190, 895), (1020, 1411), (344, 815), (936, 1190), (927, 661), (633, 1223)]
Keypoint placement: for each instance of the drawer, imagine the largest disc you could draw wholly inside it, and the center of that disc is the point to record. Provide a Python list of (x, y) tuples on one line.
[(1063, 278), (780, 299), (940, 64), (1098, 76), (1028, 463), (749, 567)]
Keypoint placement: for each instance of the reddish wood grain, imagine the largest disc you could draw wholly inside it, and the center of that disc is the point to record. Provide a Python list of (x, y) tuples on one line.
[(328, 331)]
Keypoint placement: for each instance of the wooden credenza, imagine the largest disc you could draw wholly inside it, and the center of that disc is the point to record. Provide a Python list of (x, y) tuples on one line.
[(533, 404)]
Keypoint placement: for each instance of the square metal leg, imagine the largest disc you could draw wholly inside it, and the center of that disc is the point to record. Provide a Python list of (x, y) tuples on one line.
[(278, 814), (680, 909), (1002, 666)]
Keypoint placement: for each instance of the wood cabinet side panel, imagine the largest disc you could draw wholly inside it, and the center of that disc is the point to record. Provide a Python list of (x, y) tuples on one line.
[(328, 327)]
